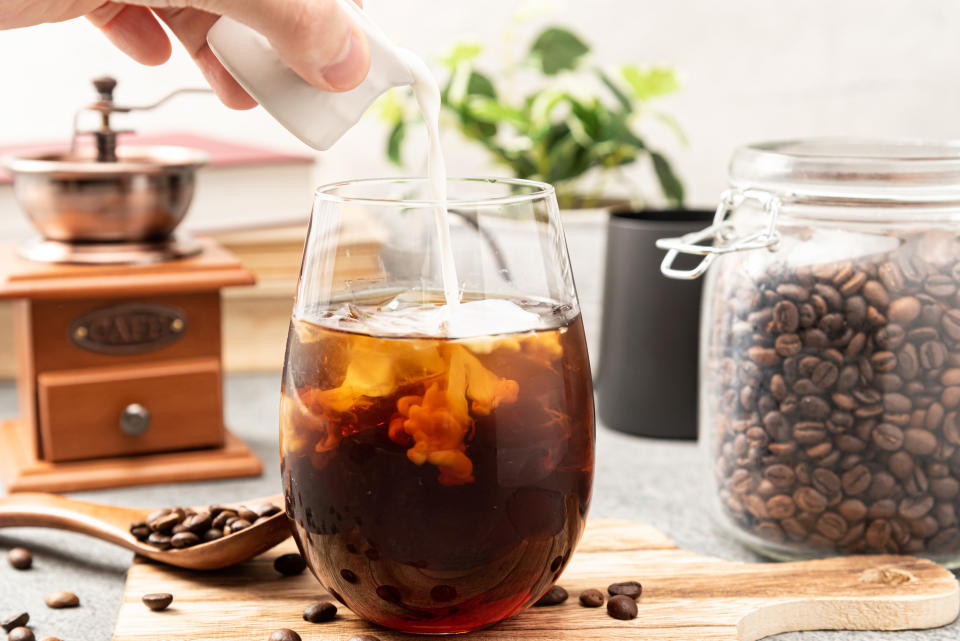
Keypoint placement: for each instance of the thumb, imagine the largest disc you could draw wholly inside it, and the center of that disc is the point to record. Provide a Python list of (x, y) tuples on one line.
[(316, 38)]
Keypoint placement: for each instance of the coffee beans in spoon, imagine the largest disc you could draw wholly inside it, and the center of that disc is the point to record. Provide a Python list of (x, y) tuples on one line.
[(186, 527)]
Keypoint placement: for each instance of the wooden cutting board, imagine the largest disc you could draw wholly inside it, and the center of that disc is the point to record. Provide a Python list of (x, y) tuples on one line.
[(685, 596)]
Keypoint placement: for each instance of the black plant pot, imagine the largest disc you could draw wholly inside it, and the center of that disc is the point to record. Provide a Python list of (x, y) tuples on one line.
[(647, 378)]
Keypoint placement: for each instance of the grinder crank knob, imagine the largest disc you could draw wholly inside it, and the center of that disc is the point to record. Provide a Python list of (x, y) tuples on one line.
[(105, 86)]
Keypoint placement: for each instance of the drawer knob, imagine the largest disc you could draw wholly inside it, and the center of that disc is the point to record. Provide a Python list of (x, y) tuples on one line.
[(135, 419)]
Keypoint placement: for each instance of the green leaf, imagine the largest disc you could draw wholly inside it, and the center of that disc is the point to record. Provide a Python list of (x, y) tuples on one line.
[(395, 143), (461, 52), (489, 110), (480, 85), (556, 50), (616, 91), (669, 183), (650, 82)]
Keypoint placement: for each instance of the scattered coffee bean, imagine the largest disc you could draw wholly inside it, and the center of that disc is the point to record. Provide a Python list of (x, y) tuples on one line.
[(591, 598), (58, 600), (20, 558), (554, 596), (622, 607), (284, 634), (51, 639), (320, 612), (21, 634), (15, 621), (290, 564), (157, 601), (632, 589)]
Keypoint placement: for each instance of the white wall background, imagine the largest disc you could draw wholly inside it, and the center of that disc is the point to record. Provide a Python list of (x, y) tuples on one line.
[(753, 69)]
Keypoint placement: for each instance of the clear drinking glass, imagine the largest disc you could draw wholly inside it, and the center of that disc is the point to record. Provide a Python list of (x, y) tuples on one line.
[(438, 467)]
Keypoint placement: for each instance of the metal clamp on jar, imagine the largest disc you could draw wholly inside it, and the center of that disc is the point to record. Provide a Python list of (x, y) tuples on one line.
[(830, 365)]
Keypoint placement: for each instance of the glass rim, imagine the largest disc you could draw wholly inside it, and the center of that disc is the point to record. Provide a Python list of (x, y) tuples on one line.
[(539, 190), (855, 168)]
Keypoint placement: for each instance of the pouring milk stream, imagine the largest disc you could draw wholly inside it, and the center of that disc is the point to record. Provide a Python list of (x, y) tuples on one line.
[(319, 118)]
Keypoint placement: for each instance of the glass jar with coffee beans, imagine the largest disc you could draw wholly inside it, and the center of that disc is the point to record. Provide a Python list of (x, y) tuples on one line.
[(830, 348)]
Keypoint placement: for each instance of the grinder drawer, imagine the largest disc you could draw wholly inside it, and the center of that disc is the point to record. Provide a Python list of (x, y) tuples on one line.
[(117, 411)]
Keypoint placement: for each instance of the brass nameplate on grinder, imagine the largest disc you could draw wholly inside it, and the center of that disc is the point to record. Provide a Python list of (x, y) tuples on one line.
[(128, 328)]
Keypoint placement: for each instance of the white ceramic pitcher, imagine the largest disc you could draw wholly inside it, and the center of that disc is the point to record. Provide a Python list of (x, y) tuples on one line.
[(318, 118)]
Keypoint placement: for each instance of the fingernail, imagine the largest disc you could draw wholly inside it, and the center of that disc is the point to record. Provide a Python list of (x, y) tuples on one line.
[(346, 71)]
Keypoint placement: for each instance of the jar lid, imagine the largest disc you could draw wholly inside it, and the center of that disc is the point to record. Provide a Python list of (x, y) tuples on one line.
[(850, 168)]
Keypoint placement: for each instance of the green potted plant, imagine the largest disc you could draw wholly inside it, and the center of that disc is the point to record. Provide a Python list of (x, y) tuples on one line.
[(576, 126)]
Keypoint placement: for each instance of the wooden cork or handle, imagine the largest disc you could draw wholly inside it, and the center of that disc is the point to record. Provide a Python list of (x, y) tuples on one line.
[(685, 597)]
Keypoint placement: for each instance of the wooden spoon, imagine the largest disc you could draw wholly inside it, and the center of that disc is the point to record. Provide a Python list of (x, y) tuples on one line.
[(110, 523)]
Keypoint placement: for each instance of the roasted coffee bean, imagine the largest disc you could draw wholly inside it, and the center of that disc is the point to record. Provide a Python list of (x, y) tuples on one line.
[(290, 564), (786, 318), (856, 480), (20, 558), (159, 540), (591, 598), (831, 525), (247, 514), (632, 589), (184, 540), (21, 634), (622, 607), (903, 311), (915, 507), (888, 436), (15, 621), (788, 345), (157, 601), (58, 600), (919, 441), (166, 522), (266, 509), (320, 612), (554, 596), (198, 523), (221, 518), (940, 286), (239, 524), (809, 500), (212, 535), (284, 634)]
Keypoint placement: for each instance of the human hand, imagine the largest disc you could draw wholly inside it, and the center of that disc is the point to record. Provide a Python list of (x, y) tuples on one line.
[(315, 37)]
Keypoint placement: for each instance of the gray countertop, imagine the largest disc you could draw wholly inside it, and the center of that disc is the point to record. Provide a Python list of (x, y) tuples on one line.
[(657, 482)]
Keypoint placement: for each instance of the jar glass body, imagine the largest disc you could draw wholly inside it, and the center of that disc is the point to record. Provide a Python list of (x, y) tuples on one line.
[(830, 382)]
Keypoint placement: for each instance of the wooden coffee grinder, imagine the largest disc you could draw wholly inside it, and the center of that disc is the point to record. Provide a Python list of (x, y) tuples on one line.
[(116, 319)]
